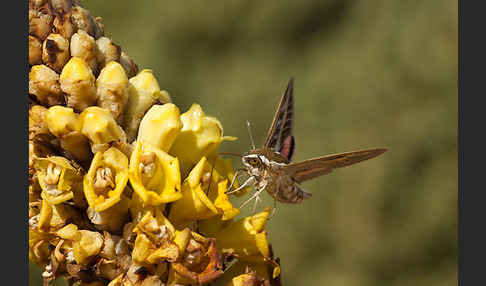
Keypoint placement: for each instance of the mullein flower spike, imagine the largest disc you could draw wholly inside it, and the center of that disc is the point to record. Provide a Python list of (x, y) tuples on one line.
[(124, 190)]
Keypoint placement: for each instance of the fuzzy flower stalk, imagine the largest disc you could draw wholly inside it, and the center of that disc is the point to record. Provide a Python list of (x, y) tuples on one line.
[(124, 188)]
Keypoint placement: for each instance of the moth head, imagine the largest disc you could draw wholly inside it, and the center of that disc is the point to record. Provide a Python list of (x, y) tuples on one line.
[(251, 161)]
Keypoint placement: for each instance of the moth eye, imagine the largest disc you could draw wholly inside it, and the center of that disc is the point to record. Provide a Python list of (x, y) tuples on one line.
[(253, 161)]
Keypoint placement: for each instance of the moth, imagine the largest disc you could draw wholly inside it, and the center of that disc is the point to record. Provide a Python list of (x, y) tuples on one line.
[(270, 168)]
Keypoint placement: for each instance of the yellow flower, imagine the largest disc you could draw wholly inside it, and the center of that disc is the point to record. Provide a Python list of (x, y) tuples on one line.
[(160, 126), (52, 217), (58, 179), (200, 261), (203, 197), (154, 175), (86, 245), (39, 246), (154, 242), (245, 238), (106, 179), (200, 136), (111, 219)]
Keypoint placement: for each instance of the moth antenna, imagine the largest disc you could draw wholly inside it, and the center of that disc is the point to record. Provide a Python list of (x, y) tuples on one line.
[(250, 134), (231, 154)]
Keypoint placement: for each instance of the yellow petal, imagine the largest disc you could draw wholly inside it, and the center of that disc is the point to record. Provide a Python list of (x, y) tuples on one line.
[(200, 136), (223, 204), (157, 183), (245, 237)]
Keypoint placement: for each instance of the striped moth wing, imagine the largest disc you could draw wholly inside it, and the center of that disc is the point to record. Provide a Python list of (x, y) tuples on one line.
[(280, 136), (312, 168)]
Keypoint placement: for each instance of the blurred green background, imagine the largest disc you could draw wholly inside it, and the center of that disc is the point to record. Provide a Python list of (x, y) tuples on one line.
[(367, 74)]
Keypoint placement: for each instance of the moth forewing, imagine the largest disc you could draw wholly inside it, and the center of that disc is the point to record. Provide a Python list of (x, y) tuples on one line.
[(312, 168), (280, 135)]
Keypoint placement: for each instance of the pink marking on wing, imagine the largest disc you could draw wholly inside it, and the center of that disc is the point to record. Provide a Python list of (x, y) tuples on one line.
[(288, 146)]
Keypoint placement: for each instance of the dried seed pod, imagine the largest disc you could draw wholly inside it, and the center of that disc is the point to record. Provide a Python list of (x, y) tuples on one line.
[(82, 20), (144, 91), (128, 64), (83, 46), (160, 126), (112, 89), (78, 82), (63, 25), (44, 84), (55, 51), (106, 51), (35, 51), (40, 20)]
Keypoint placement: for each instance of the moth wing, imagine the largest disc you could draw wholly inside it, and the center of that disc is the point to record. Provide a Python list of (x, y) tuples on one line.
[(280, 135), (312, 168)]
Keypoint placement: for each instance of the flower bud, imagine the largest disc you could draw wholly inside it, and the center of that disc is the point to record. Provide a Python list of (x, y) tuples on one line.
[(37, 122), (106, 179), (44, 84), (83, 46), (112, 88), (106, 51), (100, 127), (61, 120), (160, 126), (144, 91), (55, 51), (35, 51), (154, 175), (78, 82)]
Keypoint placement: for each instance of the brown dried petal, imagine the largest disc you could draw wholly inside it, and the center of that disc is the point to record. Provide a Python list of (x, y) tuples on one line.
[(63, 25), (82, 20), (44, 84), (35, 51), (83, 46), (55, 51), (40, 21)]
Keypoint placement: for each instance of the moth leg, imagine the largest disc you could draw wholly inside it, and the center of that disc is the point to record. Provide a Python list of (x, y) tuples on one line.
[(257, 199), (274, 210), (235, 176), (250, 180), (256, 194)]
